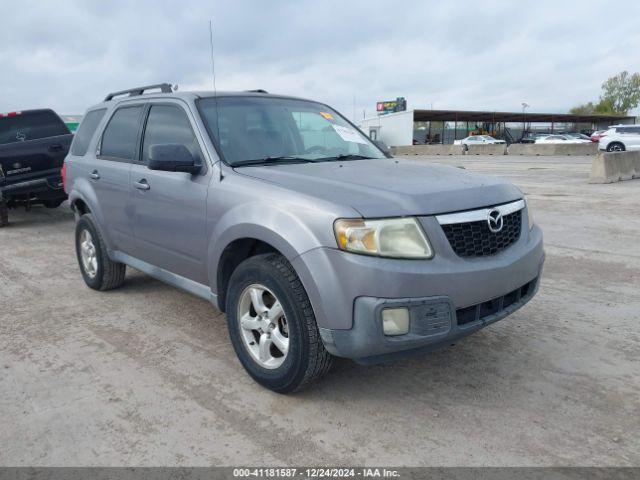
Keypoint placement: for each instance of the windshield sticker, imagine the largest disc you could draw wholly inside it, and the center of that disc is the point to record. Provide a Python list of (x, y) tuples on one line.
[(327, 115), (348, 134)]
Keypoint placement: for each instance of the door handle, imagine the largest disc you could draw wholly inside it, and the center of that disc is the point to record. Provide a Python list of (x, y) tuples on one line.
[(56, 147), (94, 175), (142, 185)]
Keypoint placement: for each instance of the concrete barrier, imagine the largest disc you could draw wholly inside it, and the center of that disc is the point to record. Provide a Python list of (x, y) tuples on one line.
[(488, 149), (615, 167), (553, 149), (428, 150)]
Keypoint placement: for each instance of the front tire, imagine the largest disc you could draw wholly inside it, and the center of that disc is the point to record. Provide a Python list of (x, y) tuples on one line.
[(615, 147), (98, 270), (272, 326)]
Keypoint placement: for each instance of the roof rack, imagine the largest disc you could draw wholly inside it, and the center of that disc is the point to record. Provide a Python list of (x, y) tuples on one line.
[(258, 90), (133, 92)]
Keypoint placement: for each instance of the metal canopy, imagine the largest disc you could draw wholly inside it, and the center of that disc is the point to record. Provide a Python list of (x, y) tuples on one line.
[(500, 117)]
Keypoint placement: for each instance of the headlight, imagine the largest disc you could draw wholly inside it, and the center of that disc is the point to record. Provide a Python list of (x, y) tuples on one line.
[(529, 214), (393, 237)]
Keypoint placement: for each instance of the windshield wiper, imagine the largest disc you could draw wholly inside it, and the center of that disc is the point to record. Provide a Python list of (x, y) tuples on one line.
[(343, 156), (272, 161)]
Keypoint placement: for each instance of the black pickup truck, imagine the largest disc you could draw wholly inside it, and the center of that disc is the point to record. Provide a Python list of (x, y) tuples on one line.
[(33, 145)]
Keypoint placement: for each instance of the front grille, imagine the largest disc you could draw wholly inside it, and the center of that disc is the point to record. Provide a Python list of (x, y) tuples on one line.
[(485, 310), (474, 239)]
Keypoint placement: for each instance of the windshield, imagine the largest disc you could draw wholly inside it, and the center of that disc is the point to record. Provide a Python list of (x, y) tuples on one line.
[(250, 130)]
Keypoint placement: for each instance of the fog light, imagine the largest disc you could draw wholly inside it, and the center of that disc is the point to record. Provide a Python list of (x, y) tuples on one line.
[(395, 321)]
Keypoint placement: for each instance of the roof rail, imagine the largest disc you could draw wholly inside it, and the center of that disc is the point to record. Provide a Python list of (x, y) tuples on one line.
[(164, 88), (258, 90)]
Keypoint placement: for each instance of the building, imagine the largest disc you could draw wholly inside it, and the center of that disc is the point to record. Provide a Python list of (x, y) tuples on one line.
[(445, 126)]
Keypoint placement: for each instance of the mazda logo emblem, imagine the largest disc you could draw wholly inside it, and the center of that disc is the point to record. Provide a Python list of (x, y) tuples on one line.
[(495, 221)]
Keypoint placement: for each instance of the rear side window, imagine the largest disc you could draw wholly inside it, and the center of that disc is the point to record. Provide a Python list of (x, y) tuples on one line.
[(85, 131), (120, 138), (31, 126), (169, 124)]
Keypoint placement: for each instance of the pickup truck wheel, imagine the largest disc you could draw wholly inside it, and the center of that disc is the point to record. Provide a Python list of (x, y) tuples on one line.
[(272, 326), (4, 213), (98, 270), (53, 203)]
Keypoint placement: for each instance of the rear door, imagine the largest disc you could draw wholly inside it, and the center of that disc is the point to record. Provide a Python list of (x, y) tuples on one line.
[(169, 208), (631, 137), (109, 173), (33, 145)]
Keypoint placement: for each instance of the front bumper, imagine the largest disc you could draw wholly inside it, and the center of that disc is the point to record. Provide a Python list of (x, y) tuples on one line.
[(434, 323), (348, 292)]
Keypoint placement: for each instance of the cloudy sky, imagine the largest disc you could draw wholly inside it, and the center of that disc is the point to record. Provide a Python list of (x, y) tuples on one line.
[(483, 55)]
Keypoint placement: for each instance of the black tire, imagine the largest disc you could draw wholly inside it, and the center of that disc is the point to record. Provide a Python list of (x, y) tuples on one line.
[(307, 359), (4, 213), (53, 203), (615, 147), (109, 274)]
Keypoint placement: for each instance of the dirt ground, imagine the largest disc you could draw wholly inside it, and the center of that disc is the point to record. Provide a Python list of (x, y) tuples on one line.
[(145, 375)]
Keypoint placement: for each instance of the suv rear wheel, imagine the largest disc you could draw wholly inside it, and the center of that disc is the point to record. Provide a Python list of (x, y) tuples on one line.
[(98, 270), (615, 147), (272, 326)]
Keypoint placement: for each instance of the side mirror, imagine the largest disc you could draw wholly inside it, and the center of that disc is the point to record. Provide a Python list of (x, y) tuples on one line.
[(172, 157), (384, 147)]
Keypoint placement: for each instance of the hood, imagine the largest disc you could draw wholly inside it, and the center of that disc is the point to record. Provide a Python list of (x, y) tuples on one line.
[(389, 187)]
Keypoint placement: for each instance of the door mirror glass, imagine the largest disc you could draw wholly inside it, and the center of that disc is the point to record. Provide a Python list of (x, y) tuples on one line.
[(171, 157)]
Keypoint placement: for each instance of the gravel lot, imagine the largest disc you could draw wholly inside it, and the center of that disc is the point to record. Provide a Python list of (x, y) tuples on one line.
[(146, 375)]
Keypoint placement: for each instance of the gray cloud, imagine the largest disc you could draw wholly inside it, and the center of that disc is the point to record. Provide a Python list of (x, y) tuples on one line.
[(464, 54)]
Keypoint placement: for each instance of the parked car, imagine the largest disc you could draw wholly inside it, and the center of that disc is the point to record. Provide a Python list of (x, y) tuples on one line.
[(33, 145), (597, 135), (578, 136), (478, 140), (620, 138), (559, 139), (288, 218)]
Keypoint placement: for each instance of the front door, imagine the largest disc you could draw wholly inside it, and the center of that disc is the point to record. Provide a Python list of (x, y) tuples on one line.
[(169, 208)]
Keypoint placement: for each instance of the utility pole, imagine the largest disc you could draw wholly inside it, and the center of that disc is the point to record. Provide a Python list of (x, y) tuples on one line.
[(524, 117)]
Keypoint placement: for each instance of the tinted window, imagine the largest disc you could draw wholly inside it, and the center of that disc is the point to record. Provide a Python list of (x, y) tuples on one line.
[(30, 126), (120, 137), (85, 131), (168, 124)]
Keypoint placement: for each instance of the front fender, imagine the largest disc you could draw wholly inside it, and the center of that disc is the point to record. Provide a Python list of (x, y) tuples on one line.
[(288, 231)]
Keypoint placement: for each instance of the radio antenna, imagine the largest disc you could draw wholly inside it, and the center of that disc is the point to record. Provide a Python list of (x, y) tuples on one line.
[(215, 93)]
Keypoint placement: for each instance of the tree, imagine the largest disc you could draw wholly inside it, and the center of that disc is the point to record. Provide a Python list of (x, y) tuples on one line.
[(620, 94)]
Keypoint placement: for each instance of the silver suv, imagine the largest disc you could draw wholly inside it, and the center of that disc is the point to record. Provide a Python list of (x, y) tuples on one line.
[(284, 215)]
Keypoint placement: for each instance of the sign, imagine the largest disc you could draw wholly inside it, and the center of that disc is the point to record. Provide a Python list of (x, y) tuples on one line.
[(397, 105)]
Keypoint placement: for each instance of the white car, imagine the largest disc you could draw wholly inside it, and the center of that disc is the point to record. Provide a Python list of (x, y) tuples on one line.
[(478, 140), (560, 139), (620, 138)]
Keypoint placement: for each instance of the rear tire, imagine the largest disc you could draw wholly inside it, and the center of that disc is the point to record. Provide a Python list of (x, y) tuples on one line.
[(4, 213), (294, 325), (53, 203), (615, 147), (98, 270)]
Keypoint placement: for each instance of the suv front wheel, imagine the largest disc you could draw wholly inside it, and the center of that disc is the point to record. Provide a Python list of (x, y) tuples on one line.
[(98, 270), (272, 326)]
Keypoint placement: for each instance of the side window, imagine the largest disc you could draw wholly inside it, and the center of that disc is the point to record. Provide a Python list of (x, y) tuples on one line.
[(169, 124), (120, 138), (85, 132)]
